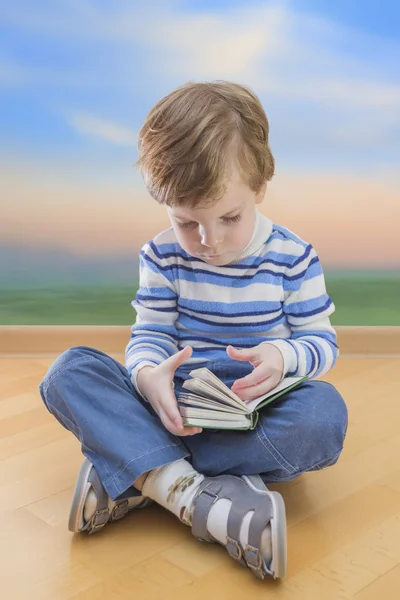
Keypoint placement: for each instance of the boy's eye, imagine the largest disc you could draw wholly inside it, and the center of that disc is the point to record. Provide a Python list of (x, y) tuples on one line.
[(187, 224), (234, 219), (191, 224)]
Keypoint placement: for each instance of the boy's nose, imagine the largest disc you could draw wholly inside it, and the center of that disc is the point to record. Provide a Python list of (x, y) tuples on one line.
[(209, 238)]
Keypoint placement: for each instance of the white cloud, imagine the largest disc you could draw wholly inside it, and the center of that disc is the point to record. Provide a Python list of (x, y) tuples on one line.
[(91, 125), (334, 90), (212, 45), (305, 68), (271, 46)]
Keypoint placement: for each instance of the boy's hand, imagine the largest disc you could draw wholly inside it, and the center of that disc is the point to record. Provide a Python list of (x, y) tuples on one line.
[(268, 371), (156, 385)]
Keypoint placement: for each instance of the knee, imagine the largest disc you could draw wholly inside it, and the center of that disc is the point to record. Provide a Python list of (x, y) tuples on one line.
[(332, 410), (65, 362), (312, 428), (324, 424)]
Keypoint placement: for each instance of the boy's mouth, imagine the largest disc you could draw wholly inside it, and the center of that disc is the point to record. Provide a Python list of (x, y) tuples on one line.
[(209, 256)]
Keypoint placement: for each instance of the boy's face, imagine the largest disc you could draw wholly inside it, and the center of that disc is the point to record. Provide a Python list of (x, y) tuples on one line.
[(218, 233)]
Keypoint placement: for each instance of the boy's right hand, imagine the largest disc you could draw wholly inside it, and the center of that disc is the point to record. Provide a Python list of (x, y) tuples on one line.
[(156, 385)]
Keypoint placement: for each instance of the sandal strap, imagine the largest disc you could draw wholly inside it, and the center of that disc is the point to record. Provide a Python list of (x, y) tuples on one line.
[(243, 499), (206, 496), (120, 509), (102, 513)]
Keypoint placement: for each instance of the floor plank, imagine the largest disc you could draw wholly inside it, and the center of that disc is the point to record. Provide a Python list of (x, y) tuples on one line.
[(343, 522)]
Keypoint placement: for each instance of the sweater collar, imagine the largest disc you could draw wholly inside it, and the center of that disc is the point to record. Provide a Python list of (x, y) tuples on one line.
[(262, 231)]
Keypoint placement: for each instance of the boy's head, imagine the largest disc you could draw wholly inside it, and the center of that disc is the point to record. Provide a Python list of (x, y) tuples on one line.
[(203, 152)]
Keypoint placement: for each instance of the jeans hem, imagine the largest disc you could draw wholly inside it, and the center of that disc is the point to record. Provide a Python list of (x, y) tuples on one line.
[(121, 481), (327, 462)]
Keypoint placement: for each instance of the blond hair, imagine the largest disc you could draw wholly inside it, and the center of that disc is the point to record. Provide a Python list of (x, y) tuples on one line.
[(192, 135)]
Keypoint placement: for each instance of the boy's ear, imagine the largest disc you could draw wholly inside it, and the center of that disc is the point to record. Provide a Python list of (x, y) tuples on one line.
[(261, 193)]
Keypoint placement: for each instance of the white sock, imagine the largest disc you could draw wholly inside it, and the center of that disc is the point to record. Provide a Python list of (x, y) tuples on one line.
[(174, 487)]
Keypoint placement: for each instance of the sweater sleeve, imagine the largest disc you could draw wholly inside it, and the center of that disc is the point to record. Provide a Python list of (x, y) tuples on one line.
[(154, 335), (311, 349)]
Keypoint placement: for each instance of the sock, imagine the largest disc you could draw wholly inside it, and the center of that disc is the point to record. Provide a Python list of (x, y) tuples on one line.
[(174, 487)]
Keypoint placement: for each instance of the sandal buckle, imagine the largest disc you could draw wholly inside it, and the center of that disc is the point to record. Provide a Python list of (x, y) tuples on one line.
[(119, 510), (99, 519), (235, 544), (208, 493), (254, 560)]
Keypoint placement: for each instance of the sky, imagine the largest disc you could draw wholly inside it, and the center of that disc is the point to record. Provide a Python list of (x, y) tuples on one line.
[(77, 78)]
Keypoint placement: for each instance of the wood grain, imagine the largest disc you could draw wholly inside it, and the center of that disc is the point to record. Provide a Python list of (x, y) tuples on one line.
[(343, 522)]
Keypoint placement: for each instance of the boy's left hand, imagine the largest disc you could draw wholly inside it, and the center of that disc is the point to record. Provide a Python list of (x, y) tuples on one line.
[(268, 370)]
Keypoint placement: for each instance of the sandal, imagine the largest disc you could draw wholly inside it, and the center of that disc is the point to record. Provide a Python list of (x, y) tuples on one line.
[(107, 510), (247, 493)]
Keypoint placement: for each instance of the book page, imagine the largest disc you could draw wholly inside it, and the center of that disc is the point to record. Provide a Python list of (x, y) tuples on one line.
[(194, 400), (208, 424), (285, 383), (205, 389), (213, 416), (208, 376)]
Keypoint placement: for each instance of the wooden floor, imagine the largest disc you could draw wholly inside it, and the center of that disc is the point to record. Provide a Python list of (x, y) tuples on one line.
[(343, 522)]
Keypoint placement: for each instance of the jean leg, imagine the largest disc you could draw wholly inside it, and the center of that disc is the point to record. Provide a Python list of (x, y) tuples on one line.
[(303, 431), (306, 430), (91, 395)]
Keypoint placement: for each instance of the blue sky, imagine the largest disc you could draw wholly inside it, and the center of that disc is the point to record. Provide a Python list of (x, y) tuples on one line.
[(382, 18), (77, 78)]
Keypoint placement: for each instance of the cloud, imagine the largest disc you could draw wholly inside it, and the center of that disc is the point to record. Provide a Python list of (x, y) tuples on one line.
[(281, 53), (222, 46), (91, 125), (272, 45), (327, 86)]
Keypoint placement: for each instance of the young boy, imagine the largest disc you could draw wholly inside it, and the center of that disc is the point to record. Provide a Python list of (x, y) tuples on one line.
[(223, 288)]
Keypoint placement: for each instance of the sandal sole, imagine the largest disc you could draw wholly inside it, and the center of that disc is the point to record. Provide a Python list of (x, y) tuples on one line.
[(279, 542), (81, 490), (278, 527)]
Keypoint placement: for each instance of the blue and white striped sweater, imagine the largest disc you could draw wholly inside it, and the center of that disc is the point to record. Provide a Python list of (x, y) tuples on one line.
[(273, 293)]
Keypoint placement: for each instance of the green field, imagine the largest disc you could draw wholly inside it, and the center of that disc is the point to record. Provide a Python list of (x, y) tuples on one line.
[(359, 300)]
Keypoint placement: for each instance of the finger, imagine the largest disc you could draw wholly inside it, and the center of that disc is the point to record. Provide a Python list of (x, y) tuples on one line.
[(172, 419), (189, 431), (169, 408), (175, 361), (256, 391), (174, 428), (248, 354), (257, 375), (174, 424)]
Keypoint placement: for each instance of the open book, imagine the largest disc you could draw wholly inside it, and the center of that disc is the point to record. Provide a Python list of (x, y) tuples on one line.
[(209, 403)]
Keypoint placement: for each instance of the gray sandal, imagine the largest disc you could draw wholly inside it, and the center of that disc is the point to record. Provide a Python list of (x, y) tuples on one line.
[(107, 510), (247, 493)]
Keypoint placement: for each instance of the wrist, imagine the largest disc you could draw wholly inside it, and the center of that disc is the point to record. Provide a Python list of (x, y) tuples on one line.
[(142, 378), (139, 378), (288, 354)]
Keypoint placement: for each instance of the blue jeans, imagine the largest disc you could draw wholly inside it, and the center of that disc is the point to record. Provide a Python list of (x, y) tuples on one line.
[(92, 396)]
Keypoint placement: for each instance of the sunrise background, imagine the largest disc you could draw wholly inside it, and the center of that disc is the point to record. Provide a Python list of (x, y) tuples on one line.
[(77, 79)]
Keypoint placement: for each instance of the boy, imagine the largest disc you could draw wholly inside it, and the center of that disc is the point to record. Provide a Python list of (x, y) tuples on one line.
[(223, 288)]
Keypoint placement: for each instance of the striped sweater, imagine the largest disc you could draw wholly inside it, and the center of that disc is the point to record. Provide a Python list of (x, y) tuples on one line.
[(274, 292)]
